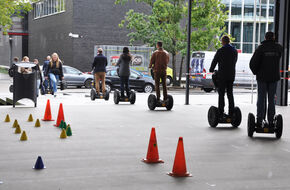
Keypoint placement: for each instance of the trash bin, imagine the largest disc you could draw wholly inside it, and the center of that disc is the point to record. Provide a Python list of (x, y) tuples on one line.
[(24, 82)]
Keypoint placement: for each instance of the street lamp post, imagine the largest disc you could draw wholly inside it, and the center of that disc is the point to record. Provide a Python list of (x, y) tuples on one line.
[(10, 42), (188, 52)]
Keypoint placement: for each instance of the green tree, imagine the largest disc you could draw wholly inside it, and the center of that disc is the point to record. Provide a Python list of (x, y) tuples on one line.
[(166, 22), (10, 8)]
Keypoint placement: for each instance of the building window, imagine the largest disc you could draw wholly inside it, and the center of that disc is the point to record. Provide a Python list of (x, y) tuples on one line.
[(236, 8), (271, 8), (248, 32), (262, 28), (249, 8), (236, 31), (48, 7)]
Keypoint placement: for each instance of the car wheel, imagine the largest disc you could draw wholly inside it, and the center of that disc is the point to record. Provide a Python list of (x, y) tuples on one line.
[(169, 80), (79, 86), (108, 87), (208, 90), (88, 83), (148, 88)]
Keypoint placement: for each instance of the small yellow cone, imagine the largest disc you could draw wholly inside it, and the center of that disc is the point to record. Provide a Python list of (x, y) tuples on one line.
[(30, 118), (17, 130), (63, 134), (23, 136), (15, 124), (7, 118), (37, 123)]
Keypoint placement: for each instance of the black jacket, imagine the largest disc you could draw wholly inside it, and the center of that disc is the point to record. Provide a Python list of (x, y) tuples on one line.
[(100, 63), (226, 57), (265, 61), (54, 70)]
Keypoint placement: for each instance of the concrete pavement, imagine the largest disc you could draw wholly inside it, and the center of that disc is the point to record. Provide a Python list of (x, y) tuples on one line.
[(110, 140)]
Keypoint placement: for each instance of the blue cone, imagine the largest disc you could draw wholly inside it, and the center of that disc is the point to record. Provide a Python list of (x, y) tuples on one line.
[(39, 164)]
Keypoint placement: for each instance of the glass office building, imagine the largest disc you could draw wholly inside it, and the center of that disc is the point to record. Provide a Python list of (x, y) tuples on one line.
[(248, 21)]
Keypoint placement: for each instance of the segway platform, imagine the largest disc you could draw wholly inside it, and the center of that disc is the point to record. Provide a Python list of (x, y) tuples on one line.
[(94, 95), (153, 103), (118, 98), (276, 129), (214, 119)]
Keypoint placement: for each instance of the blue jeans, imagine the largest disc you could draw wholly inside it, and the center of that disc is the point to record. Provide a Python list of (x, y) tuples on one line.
[(265, 89), (37, 87), (53, 81), (125, 85)]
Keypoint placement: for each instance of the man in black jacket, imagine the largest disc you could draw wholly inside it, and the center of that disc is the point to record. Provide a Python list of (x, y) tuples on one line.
[(226, 58), (265, 65), (99, 69)]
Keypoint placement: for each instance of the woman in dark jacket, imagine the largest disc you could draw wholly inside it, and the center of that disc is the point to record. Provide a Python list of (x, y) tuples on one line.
[(124, 71), (54, 72)]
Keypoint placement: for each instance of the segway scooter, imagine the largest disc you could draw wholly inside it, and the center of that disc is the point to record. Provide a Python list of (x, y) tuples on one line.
[(94, 94), (118, 98), (153, 103), (276, 128), (214, 118)]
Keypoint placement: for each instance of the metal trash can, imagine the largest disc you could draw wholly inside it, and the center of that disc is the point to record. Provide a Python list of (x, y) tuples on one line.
[(24, 82)]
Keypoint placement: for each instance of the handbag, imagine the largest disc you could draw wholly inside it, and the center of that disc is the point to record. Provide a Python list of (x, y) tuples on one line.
[(63, 85)]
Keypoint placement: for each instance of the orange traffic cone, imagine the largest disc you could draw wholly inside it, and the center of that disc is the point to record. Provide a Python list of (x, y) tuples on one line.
[(152, 153), (60, 116), (47, 114), (179, 166)]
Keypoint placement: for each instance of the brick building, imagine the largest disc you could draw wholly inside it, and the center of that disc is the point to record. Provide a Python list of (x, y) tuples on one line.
[(96, 23)]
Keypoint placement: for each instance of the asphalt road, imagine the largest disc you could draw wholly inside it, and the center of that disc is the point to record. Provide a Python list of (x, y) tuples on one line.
[(110, 140)]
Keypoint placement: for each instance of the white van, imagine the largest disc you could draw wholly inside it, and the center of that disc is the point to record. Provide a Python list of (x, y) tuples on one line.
[(201, 77)]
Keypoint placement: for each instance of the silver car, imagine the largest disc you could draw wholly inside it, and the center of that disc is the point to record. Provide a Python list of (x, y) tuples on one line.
[(75, 77)]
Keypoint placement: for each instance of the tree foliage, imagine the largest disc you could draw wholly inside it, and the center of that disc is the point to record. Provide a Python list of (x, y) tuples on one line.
[(10, 8), (167, 22)]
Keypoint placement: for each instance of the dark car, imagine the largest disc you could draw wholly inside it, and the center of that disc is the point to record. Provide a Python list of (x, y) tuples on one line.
[(137, 81)]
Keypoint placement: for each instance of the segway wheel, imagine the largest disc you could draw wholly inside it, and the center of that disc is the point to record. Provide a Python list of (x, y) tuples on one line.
[(213, 116), (278, 126), (107, 95), (237, 117), (170, 102), (116, 97), (251, 124), (132, 97), (11, 88), (93, 94), (152, 101)]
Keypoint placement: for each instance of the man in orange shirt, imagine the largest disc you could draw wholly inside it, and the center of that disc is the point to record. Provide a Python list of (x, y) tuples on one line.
[(159, 62)]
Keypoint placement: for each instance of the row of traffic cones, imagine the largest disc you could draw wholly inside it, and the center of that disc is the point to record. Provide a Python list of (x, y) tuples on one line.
[(17, 126), (179, 166), (30, 119)]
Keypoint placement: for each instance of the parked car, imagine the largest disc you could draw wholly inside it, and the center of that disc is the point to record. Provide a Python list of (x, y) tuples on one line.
[(75, 77), (138, 81)]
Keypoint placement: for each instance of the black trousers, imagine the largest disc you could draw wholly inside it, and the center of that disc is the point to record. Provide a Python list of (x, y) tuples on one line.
[(226, 86), (125, 86)]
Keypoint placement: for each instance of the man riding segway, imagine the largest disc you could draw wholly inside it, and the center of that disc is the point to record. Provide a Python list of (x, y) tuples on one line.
[(158, 63)]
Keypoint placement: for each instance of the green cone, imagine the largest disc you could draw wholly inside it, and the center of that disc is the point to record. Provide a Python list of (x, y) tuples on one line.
[(61, 124), (64, 125), (68, 131)]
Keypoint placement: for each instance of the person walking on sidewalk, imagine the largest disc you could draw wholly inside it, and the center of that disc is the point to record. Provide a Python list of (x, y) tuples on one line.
[(159, 62), (99, 69), (54, 72), (226, 57), (44, 69), (124, 63), (265, 64), (38, 76)]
